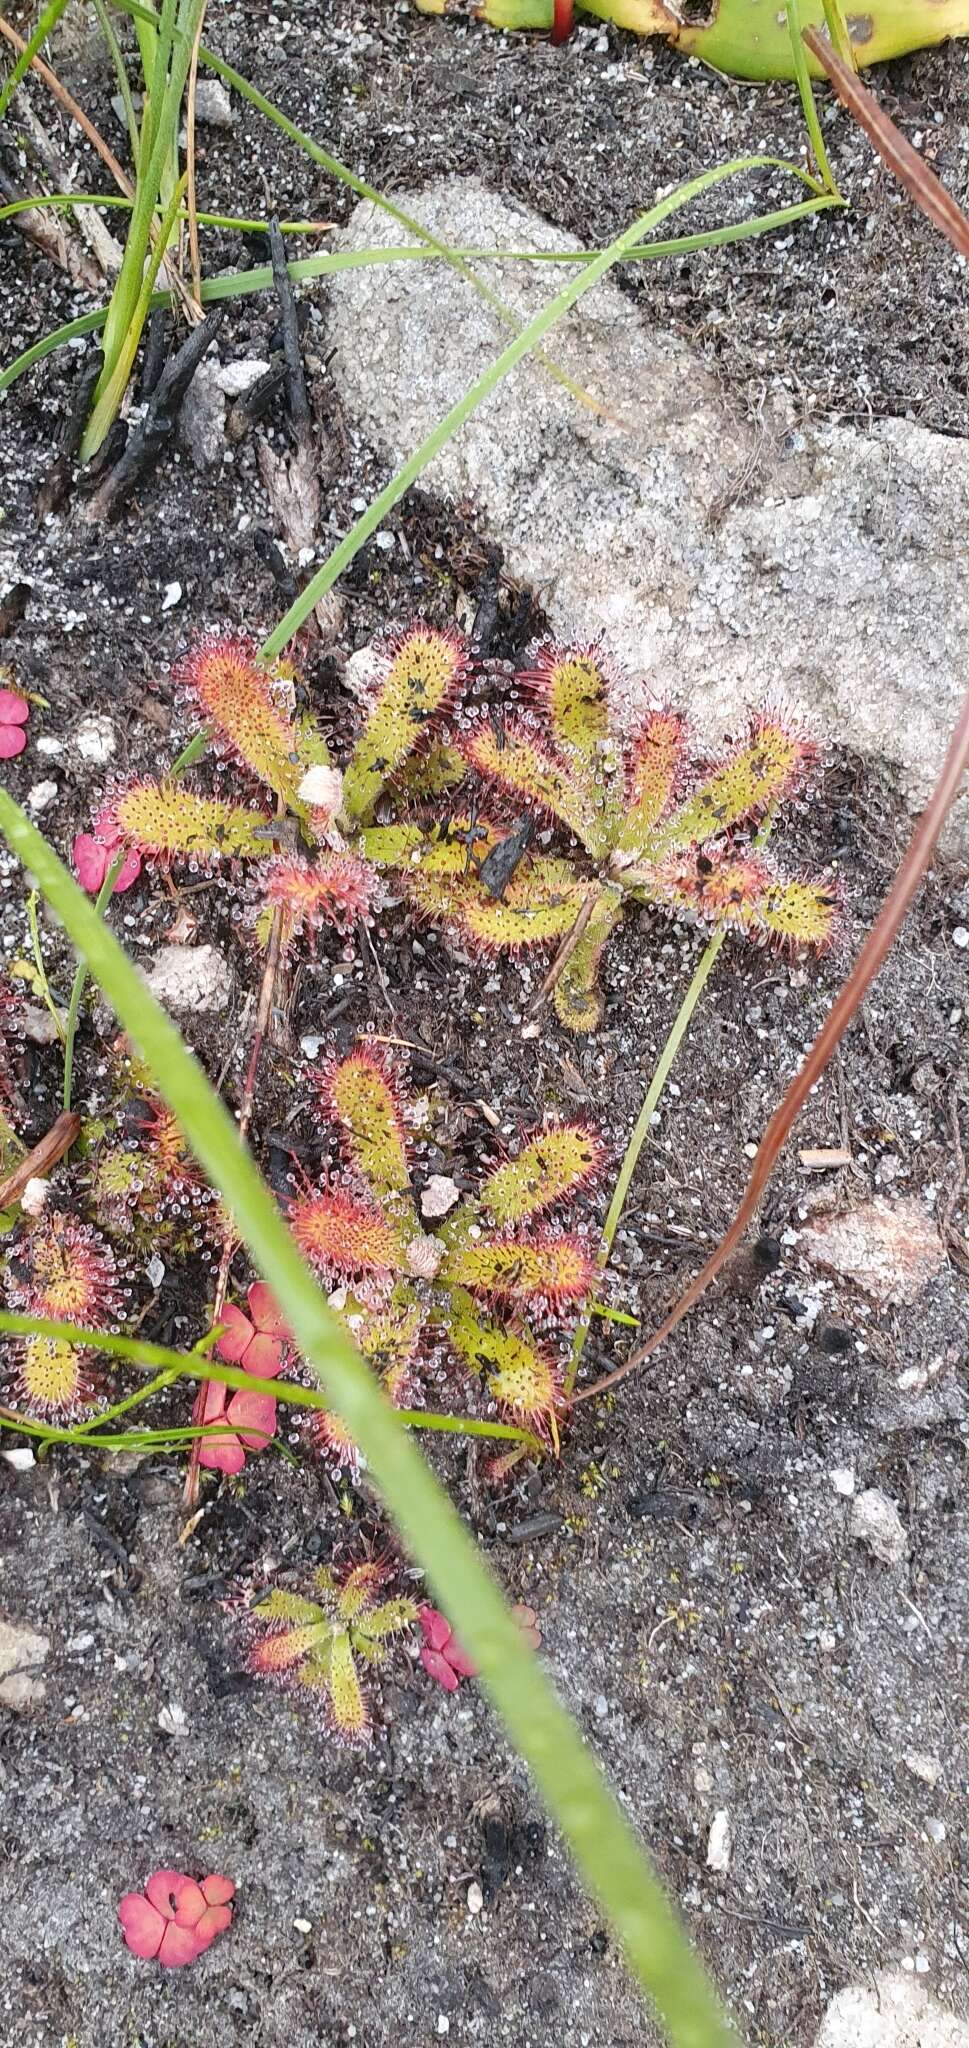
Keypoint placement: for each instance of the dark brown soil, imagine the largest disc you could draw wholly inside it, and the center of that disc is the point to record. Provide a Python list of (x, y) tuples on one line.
[(720, 1635)]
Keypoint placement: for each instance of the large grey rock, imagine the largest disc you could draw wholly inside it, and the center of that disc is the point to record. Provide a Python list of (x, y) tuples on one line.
[(894, 2012), (726, 559)]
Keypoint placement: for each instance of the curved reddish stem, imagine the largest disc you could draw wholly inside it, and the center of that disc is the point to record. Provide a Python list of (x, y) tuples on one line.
[(563, 19), (850, 996)]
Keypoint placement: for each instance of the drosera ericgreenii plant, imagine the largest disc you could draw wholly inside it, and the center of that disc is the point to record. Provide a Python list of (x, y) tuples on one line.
[(316, 1646), (651, 829), (490, 1283)]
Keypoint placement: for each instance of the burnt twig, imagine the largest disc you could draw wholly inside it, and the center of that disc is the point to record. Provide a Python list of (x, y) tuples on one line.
[(499, 865), (145, 443), (297, 399)]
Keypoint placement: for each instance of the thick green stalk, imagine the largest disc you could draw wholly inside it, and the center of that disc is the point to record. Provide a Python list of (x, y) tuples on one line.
[(601, 1838)]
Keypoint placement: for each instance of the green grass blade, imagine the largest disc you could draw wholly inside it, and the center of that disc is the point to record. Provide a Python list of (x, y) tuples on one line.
[(537, 328), (838, 31), (120, 72), (193, 1365), (640, 1133), (239, 284), (49, 19), (114, 381), (805, 89), (604, 1845)]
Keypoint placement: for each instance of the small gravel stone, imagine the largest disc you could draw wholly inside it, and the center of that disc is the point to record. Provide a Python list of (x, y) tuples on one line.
[(201, 422), (440, 1195), (960, 936), (213, 105), (843, 1480), (22, 1654), (96, 739), (927, 1768), (191, 978), (235, 378), (935, 1829), (719, 1841), (34, 1196), (42, 795), (38, 1025), (892, 2012), (888, 1249), (876, 1522), (475, 1898)]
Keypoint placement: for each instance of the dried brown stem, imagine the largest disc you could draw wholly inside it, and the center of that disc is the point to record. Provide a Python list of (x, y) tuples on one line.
[(564, 954), (869, 962), (903, 161), (41, 1158)]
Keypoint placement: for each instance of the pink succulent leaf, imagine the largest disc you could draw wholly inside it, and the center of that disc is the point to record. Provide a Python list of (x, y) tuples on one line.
[(177, 1919), (143, 1925), (437, 1667), (92, 859), (219, 1453), (164, 1889), (90, 862), (178, 1946), (213, 1407), (254, 1416), (13, 740), (222, 1454), (266, 1313), (218, 1890), (214, 1921), (237, 1335), (460, 1661), (435, 1627), (14, 709), (190, 1905), (264, 1357)]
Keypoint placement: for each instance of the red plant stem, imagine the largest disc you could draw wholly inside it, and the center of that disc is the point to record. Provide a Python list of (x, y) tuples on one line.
[(939, 207), (563, 20), (869, 962)]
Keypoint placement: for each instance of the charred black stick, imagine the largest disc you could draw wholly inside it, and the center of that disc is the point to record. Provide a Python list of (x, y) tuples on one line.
[(297, 400), (144, 445)]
